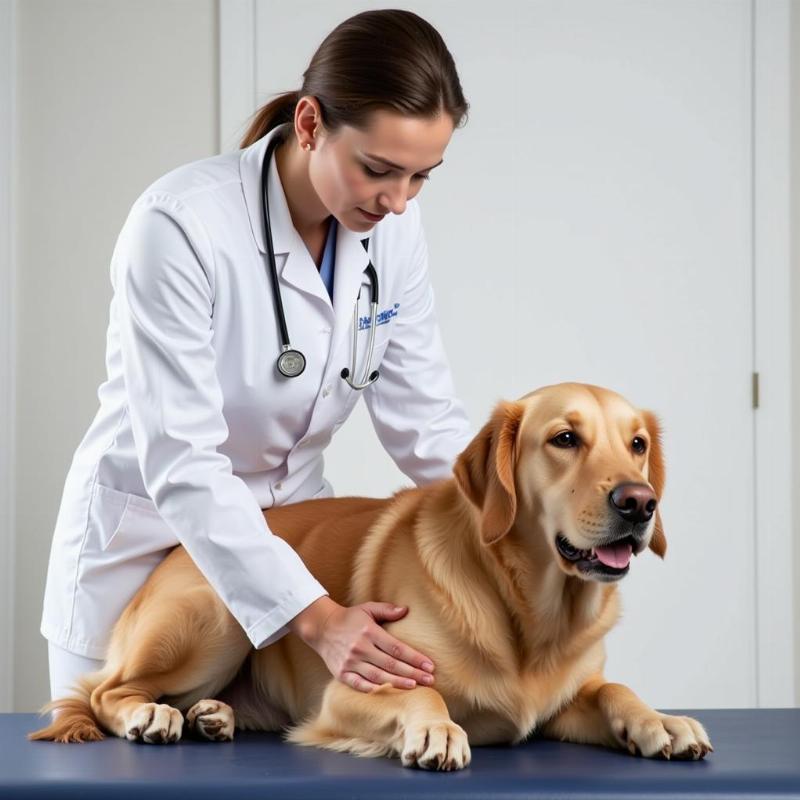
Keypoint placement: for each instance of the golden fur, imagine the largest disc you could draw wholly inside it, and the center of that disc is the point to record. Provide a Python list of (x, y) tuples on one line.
[(515, 630)]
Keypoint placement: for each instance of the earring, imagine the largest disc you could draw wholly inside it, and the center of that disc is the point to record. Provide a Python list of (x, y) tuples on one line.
[(307, 146)]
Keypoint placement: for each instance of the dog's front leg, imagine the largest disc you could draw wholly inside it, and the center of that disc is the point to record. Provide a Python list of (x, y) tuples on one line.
[(612, 715), (413, 723)]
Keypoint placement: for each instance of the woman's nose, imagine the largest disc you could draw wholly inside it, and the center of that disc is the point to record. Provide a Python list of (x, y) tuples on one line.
[(396, 199)]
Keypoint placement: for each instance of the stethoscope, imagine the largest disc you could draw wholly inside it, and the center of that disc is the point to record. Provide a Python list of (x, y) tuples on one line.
[(291, 362)]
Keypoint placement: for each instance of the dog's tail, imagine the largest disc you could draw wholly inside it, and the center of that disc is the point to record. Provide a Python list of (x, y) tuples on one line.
[(74, 720)]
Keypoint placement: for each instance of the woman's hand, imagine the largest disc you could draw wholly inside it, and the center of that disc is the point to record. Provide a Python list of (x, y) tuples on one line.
[(357, 650)]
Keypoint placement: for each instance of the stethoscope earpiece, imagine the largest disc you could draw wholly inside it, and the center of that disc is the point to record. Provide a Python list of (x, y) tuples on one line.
[(291, 362), (345, 373)]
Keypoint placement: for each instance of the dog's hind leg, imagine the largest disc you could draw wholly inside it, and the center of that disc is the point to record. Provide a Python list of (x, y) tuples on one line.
[(177, 648), (412, 723), (211, 719)]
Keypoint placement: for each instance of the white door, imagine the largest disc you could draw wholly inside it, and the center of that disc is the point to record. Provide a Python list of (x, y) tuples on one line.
[(593, 222)]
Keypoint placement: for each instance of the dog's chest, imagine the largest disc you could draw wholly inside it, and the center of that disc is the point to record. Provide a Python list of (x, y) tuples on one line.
[(506, 708), (508, 717)]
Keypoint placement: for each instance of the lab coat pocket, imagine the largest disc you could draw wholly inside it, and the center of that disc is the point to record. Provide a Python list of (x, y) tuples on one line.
[(128, 526), (351, 398)]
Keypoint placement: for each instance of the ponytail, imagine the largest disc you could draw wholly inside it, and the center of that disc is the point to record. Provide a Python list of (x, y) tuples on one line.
[(274, 113)]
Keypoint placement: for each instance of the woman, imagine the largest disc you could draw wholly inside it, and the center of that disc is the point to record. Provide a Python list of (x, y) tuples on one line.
[(198, 430)]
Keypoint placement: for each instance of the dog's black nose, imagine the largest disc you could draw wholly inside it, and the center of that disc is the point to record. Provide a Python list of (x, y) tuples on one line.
[(634, 502)]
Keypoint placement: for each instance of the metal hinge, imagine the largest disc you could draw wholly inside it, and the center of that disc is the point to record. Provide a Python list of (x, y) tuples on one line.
[(755, 390)]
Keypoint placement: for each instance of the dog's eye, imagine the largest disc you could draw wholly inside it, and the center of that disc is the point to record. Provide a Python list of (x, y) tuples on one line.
[(639, 445), (565, 439)]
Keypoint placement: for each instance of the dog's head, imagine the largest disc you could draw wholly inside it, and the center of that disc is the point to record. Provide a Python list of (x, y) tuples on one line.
[(577, 463)]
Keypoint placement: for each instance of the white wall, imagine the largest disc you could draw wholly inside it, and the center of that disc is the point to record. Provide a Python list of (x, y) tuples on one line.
[(7, 349), (111, 95), (128, 99)]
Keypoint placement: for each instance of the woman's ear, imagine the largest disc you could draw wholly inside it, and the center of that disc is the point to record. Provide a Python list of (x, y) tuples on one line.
[(485, 471), (655, 474)]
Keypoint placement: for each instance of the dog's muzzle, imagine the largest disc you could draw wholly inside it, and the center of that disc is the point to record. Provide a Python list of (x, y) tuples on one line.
[(607, 561)]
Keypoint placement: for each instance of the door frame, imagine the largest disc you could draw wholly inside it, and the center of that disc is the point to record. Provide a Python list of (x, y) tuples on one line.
[(772, 420), (769, 50)]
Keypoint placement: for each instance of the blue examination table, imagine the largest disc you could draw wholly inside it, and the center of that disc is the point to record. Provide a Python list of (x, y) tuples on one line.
[(756, 755)]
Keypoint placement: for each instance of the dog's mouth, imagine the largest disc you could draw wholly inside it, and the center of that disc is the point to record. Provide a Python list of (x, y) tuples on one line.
[(606, 562)]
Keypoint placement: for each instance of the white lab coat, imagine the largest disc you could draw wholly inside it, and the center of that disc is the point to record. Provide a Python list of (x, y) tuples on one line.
[(197, 432)]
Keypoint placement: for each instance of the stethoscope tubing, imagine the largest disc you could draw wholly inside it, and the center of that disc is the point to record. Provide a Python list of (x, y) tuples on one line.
[(291, 362), (273, 269)]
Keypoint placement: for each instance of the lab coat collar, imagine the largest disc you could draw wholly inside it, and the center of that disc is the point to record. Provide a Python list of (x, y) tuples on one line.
[(299, 269), (284, 236)]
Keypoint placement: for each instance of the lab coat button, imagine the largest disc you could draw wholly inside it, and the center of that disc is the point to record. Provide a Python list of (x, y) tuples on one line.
[(326, 391), (278, 486)]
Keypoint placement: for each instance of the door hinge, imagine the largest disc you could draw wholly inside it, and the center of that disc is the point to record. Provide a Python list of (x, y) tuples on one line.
[(755, 390)]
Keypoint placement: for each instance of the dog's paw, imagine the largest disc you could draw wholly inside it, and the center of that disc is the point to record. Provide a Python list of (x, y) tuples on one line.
[(211, 719), (663, 735), (154, 723), (689, 737), (436, 745)]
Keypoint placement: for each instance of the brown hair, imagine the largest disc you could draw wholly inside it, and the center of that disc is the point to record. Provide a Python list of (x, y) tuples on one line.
[(385, 59)]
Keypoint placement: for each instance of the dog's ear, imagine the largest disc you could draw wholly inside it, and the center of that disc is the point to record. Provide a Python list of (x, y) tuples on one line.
[(485, 471), (655, 474)]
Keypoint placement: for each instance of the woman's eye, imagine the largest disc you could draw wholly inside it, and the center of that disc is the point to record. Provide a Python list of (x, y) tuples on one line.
[(373, 174), (565, 439), (639, 445)]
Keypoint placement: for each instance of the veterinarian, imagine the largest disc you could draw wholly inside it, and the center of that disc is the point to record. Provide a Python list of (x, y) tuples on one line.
[(217, 405)]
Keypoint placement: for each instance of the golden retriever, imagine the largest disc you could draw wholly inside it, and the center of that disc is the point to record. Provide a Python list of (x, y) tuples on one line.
[(508, 569)]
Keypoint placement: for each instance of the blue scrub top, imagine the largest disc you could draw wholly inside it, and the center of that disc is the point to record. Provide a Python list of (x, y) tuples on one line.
[(328, 258)]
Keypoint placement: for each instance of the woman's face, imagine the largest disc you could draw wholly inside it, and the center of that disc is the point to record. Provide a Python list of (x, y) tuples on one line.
[(377, 170)]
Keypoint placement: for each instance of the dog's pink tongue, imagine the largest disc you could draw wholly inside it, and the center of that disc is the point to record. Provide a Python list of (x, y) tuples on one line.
[(615, 555)]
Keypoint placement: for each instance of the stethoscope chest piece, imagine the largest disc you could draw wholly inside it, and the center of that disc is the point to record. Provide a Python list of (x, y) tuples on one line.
[(291, 363)]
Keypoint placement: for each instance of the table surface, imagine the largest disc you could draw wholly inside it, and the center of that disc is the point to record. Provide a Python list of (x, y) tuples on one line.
[(756, 755)]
